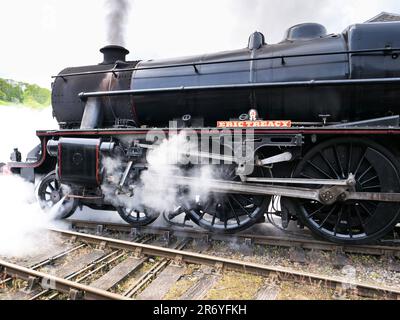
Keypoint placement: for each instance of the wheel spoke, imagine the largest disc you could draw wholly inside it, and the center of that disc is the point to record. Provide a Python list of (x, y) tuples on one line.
[(234, 211), (359, 217), (240, 205), (349, 225), (316, 211), (338, 160), (319, 169), (213, 219), (364, 173), (208, 204), (369, 180), (231, 173), (372, 187), (338, 221), (307, 176), (366, 209), (350, 159), (328, 216), (329, 165), (202, 213), (245, 199), (360, 163)]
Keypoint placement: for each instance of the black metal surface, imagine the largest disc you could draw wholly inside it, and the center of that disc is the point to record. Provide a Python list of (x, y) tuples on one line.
[(306, 31), (302, 63), (69, 109), (112, 54), (79, 161), (386, 51), (350, 80), (351, 76), (311, 83)]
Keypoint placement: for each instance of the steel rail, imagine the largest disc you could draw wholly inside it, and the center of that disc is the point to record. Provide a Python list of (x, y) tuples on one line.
[(92, 265), (384, 51), (150, 274), (48, 261), (74, 275), (103, 262), (56, 283), (299, 241), (235, 265)]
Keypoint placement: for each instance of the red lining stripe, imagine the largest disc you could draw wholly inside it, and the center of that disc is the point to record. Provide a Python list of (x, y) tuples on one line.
[(217, 131), (97, 163), (37, 164), (59, 161)]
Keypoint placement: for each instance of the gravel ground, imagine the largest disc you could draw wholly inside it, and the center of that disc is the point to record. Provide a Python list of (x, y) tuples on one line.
[(232, 285), (367, 269)]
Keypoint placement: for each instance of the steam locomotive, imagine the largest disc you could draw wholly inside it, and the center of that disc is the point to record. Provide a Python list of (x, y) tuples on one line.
[(323, 110)]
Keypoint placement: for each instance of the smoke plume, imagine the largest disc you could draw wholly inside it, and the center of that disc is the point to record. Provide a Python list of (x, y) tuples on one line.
[(117, 18)]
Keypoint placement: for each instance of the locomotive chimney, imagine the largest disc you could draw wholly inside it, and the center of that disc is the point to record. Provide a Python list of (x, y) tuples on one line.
[(112, 54)]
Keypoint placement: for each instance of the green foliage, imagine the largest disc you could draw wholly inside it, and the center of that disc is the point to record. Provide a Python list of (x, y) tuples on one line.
[(23, 93)]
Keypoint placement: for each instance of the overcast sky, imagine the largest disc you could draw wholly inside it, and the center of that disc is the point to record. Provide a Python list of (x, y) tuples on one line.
[(39, 38)]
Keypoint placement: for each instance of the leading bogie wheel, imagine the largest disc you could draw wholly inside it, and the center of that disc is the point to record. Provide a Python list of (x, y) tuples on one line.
[(137, 217), (351, 222), (50, 193)]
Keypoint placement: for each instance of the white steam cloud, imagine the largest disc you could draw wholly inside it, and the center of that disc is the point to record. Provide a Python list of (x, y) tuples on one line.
[(21, 219), (117, 18), (18, 127), (157, 189)]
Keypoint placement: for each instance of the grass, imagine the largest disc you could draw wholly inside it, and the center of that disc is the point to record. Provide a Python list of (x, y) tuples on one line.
[(32, 105), (236, 286)]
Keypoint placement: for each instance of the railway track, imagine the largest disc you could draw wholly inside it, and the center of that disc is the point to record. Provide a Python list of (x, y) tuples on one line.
[(302, 242), (161, 268)]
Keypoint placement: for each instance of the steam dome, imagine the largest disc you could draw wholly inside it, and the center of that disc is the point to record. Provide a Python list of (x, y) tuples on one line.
[(305, 31)]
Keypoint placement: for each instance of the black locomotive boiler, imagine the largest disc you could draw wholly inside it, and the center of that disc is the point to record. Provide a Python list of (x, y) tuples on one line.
[(324, 109)]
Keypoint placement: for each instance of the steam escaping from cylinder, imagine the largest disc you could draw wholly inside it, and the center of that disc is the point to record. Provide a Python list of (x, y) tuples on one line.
[(117, 18), (23, 223), (156, 188)]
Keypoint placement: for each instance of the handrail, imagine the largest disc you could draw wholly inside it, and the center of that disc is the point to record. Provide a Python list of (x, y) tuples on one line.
[(310, 83)]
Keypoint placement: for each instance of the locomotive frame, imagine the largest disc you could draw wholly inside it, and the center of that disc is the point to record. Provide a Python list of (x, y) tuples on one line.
[(285, 183)]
